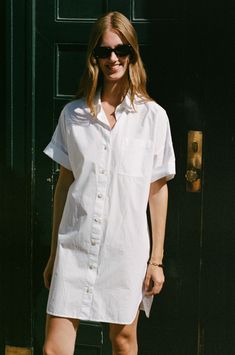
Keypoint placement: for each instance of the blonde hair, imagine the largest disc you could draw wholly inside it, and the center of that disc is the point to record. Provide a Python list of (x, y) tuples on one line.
[(91, 79)]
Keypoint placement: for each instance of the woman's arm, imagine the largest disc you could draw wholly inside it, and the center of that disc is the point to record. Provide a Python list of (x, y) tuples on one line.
[(158, 199), (64, 181)]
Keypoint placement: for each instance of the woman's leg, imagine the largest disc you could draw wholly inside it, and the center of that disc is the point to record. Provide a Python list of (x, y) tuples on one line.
[(124, 338), (60, 335)]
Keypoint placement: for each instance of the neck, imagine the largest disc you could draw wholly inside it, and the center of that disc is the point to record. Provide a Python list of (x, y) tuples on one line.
[(114, 93)]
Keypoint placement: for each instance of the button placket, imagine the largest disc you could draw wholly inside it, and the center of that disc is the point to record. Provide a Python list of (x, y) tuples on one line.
[(98, 219), (102, 177)]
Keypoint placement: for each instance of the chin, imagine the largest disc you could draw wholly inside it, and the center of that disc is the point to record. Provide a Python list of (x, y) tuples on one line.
[(115, 76)]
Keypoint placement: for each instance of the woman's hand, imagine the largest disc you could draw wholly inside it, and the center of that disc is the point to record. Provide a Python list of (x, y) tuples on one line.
[(154, 280), (47, 274)]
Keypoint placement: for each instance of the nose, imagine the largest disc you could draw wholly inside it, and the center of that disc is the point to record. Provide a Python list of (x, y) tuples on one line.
[(113, 56)]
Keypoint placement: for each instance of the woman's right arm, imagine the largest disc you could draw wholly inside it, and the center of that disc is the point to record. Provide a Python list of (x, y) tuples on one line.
[(65, 179)]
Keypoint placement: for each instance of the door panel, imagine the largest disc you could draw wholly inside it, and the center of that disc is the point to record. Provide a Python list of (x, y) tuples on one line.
[(79, 10)]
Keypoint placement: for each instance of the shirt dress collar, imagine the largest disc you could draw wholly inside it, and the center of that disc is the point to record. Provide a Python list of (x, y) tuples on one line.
[(124, 106)]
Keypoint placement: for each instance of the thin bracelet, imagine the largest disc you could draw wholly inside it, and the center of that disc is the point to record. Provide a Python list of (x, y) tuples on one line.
[(155, 264)]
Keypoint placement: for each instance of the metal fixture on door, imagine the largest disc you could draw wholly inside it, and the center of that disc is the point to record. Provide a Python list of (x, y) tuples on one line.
[(194, 161)]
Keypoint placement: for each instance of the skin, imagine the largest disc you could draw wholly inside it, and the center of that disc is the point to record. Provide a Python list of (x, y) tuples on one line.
[(61, 332)]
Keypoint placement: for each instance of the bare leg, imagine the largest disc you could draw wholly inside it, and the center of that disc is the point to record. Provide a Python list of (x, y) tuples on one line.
[(124, 338), (60, 335)]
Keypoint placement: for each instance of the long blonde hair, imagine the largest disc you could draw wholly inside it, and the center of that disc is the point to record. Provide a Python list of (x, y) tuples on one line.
[(91, 79)]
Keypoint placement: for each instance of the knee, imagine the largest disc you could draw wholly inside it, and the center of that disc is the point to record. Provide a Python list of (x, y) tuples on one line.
[(56, 348), (124, 343), (121, 345), (48, 349)]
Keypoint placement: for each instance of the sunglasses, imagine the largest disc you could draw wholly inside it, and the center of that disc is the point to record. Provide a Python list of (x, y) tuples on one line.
[(122, 50)]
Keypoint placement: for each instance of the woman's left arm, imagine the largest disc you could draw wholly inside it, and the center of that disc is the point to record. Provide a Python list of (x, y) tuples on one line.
[(158, 199)]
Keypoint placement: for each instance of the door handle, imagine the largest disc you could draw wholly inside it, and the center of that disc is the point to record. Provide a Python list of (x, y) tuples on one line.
[(192, 175), (194, 161)]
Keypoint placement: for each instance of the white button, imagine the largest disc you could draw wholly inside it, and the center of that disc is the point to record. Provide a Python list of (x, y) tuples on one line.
[(93, 242), (100, 195), (102, 171), (91, 267), (105, 147), (87, 290), (97, 220)]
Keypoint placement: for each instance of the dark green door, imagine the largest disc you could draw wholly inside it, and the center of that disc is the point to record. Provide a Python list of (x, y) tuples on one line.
[(185, 49)]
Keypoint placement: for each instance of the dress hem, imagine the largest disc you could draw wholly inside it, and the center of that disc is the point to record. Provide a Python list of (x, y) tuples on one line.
[(141, 307)]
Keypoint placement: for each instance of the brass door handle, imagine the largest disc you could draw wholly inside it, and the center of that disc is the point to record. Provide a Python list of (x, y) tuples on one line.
[(192, 175), (194, 162)]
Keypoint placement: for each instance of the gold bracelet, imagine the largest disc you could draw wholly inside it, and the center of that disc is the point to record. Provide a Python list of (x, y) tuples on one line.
[(155, 264)]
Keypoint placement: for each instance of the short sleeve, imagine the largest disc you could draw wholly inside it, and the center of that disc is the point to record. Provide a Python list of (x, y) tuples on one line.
[(57, 149), (164, 157)]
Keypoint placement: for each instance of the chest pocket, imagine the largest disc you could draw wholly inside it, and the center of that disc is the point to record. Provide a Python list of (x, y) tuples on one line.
[(136, 157)]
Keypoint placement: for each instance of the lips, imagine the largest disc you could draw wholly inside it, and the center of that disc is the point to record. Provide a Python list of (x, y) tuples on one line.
[(114, 68)]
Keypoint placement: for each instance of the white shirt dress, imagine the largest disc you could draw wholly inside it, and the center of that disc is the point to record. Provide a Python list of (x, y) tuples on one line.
[(103, 241)]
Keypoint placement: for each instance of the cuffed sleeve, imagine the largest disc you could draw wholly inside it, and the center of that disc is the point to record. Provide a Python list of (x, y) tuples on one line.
[(164, 157), (57, 149)]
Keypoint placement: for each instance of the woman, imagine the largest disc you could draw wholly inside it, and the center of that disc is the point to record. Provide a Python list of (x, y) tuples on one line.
[(115, 152)]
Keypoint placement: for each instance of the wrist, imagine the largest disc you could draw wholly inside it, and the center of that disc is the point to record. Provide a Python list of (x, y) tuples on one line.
[(155, 264), (156, 259)]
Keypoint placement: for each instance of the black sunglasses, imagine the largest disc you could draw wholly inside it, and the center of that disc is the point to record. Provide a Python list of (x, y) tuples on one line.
[(122, 50)]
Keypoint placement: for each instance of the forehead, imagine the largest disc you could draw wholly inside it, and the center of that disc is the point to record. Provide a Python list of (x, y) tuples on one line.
[(112, 38)]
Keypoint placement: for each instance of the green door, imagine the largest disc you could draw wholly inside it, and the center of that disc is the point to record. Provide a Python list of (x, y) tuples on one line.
[(185, 47)]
